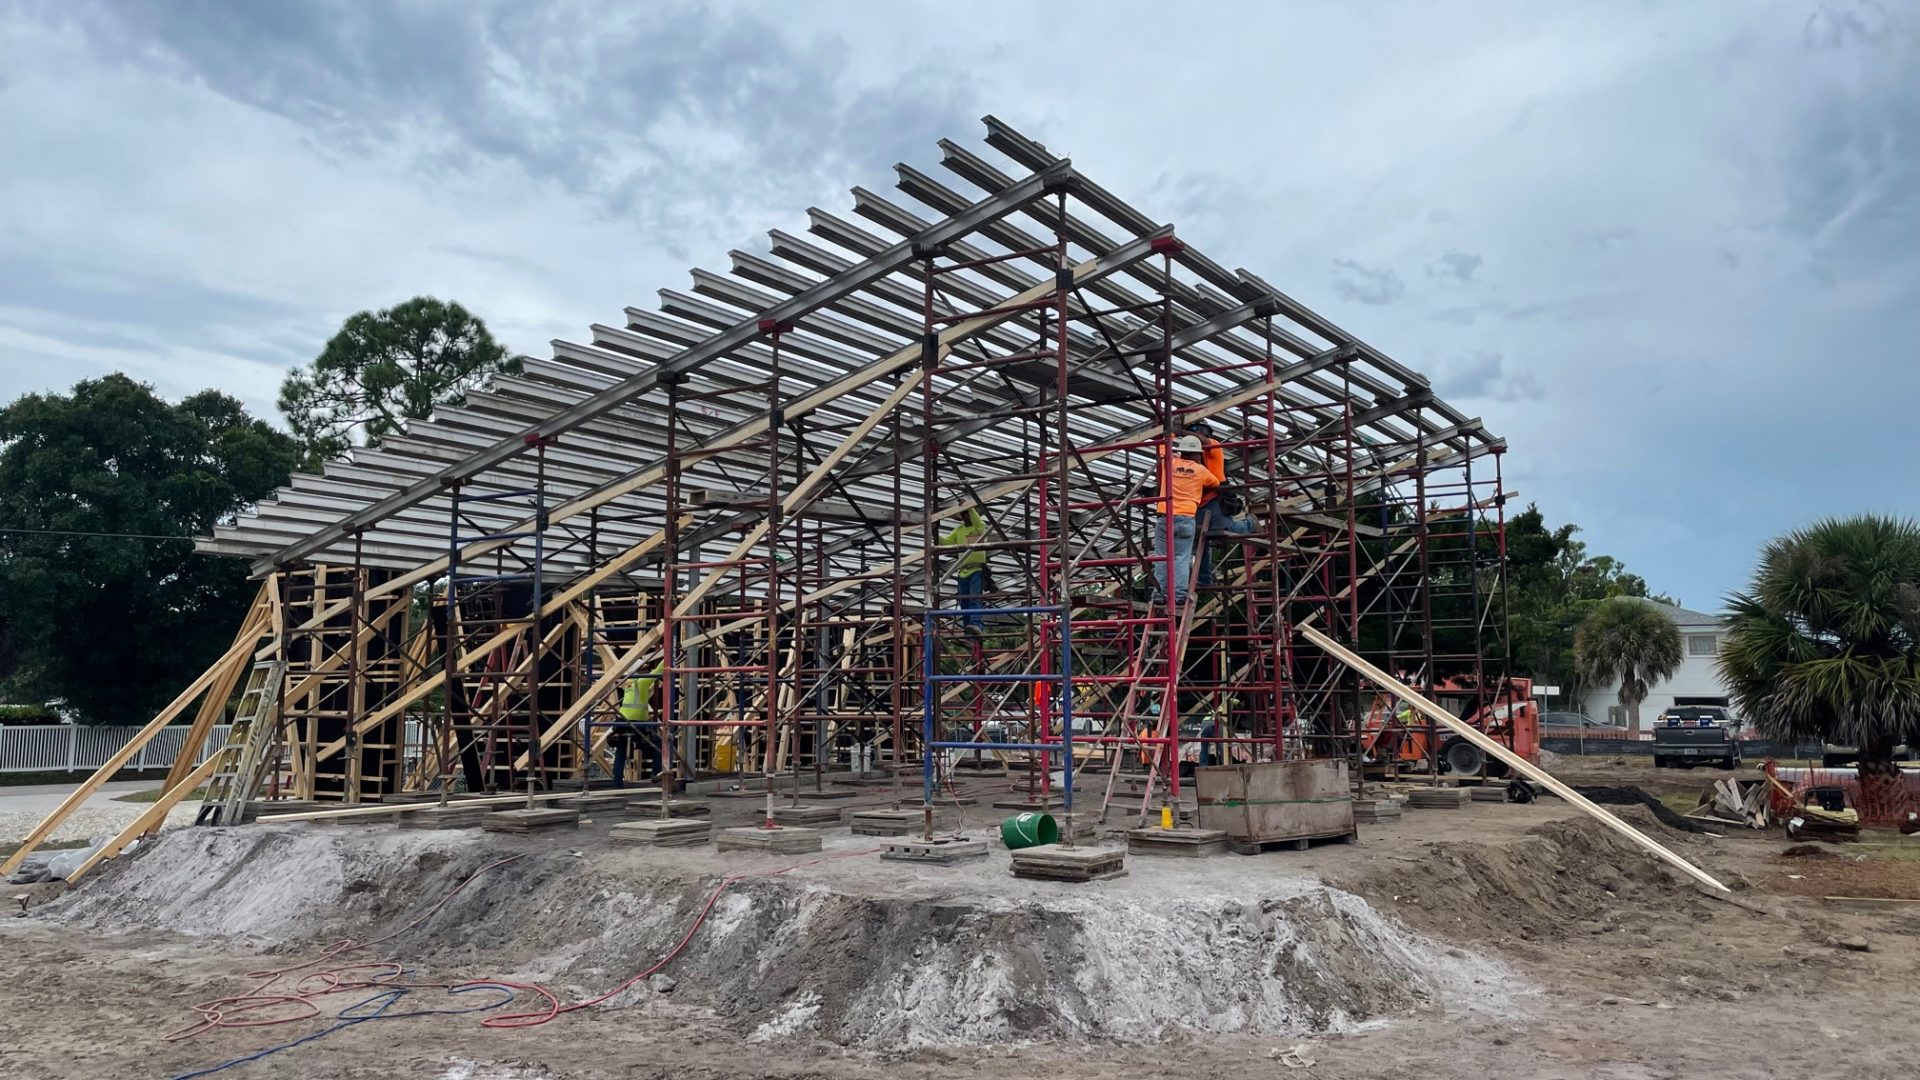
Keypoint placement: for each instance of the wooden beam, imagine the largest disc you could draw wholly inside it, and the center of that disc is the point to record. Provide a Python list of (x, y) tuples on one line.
[(1514, 761), (80, 794), (408, 808), (214, 705), (150, 820), (796, 497)]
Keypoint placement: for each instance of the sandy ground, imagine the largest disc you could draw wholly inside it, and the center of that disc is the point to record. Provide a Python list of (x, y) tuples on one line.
[(1616, 970)]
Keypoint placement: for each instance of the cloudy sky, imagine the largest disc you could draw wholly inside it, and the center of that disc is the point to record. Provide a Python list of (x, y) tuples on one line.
[(1671, 251)]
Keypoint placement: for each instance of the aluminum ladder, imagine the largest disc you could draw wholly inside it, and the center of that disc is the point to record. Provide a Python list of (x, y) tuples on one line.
[(253, 730)]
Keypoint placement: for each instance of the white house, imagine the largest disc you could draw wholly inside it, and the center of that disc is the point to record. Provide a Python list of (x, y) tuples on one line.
[(1696, 683)]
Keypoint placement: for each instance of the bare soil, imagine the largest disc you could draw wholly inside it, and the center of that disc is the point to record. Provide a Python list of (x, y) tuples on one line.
[(1602, 963)]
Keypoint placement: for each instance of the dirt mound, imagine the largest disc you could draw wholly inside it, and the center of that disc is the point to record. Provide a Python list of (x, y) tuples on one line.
[(1549, 885), (779, 957)]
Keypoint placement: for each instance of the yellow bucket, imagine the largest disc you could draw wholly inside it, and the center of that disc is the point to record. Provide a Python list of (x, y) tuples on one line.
[(723, 754)]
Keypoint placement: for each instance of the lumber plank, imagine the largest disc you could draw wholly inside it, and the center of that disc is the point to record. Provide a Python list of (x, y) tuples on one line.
[(1514, 761), (150, 819), (412, 807), (214, 705), (240, 648)]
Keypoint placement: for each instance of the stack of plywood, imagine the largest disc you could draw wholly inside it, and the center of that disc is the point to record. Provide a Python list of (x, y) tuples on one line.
[(1052, 862), (525, 821), (597, 802), (1438, 798), (1190, 843), (1375, 811), (806, 815), (664, 832), (885, 822), (780, 841), (450, 816)]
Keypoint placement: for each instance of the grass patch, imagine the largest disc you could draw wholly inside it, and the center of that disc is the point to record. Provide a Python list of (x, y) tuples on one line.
[(7, 850), (153, 795), (1681, 802), (1904, 851)]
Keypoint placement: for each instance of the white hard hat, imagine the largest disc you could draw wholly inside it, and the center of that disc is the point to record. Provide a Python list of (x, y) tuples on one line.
[(1188, 444)]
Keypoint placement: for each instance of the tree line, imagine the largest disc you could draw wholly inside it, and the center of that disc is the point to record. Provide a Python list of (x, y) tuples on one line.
[(104, 606)]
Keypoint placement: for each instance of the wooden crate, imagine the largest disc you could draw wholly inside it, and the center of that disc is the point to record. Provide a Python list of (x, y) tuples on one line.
[(1276, 800)]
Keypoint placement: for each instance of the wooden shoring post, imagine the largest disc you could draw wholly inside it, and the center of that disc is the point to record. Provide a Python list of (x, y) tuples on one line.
[(1424, 530), (239, 649), (356, 676), (1492, 747), (754, 535)]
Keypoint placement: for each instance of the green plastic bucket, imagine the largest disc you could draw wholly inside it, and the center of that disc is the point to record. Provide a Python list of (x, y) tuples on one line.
[(1029, 830)]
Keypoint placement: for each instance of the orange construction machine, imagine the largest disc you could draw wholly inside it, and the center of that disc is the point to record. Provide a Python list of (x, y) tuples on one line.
[(1396, 735)]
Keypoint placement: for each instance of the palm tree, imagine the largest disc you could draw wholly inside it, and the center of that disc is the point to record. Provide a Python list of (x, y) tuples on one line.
[(1825, 644), (1628, 639)]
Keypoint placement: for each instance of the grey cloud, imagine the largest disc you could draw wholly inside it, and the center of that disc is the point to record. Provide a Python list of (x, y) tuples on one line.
[(1609, 238), (1483, 374), (1465, 314), (98, 307), (1455, 266), (1365, 285), (1852, 180), (593, 102)]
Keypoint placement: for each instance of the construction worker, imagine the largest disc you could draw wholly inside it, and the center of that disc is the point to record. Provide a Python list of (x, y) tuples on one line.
[(636, 705), (1222, 512), (970, 569), (1186, 474)]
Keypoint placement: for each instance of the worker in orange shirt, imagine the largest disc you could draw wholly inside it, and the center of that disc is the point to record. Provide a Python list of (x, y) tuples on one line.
[(1186, 475)]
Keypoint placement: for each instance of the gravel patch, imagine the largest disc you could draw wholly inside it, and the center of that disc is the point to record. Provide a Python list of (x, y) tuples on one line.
[(101, 817)]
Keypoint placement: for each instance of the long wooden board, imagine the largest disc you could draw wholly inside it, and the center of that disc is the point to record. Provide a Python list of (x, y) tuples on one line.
[(150, 819), (241, 646), (1513, 761)]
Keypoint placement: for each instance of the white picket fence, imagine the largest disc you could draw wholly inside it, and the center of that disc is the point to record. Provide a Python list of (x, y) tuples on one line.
[(80, 748)]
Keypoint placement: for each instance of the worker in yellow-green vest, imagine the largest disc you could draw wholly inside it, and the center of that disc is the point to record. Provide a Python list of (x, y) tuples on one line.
[(636, 705), (970, 569)]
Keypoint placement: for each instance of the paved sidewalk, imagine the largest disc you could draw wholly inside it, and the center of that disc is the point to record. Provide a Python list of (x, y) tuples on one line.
[(21, 808)]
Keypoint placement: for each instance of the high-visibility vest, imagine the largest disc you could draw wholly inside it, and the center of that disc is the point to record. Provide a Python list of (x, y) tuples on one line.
[(634, 700)]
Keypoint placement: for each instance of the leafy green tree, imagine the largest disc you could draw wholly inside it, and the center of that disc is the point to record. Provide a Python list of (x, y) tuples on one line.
[(98, 604), (387, 367), (1553, 583), (1627, 639), (1825, 644)]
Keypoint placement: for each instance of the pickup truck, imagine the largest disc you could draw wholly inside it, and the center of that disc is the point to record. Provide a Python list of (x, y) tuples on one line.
[(1689, 735)]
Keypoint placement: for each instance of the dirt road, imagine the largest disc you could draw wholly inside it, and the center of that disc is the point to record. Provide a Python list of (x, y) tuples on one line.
[(1621, 971)]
